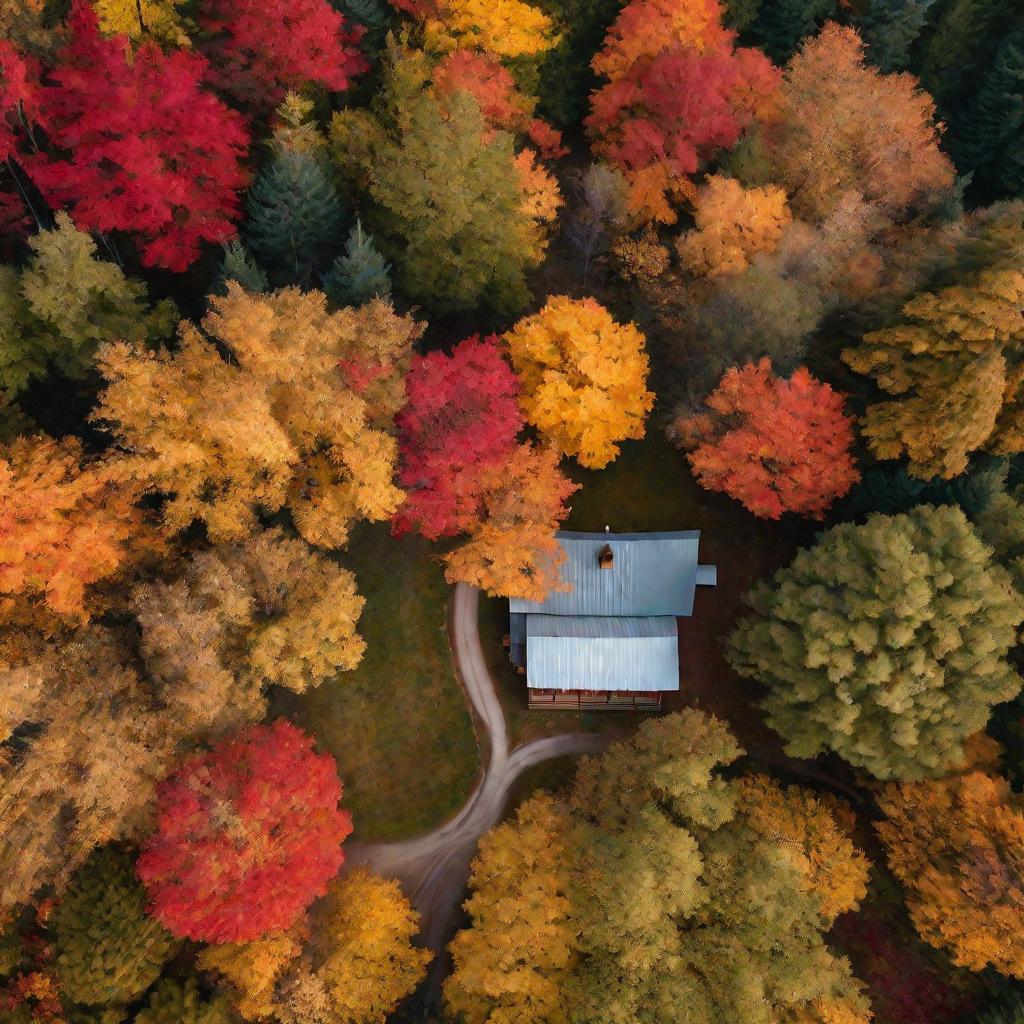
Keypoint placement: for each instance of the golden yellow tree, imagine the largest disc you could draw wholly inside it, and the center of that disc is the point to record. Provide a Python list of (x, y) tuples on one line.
[(957, 845), (952, 369), (511, 550), (815, 829), (584, 378), (301, 416), (511, 965), (505, 28), (733, 223), (143, 19), (65, 523), (364, 953), (251, 970), (269, 612), (361, 962)]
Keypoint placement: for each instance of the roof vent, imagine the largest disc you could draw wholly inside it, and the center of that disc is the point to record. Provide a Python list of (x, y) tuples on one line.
[(606, 557)]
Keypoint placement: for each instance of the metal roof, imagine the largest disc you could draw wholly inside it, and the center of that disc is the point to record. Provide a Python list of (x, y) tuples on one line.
[(602, 653), (600, 626), (653, 574)]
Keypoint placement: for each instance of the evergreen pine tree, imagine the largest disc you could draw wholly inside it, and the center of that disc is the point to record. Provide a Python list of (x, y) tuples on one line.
[(890, 28), (888, 488), (781, 25), (360, 274), (988, 136), (109, 950), (295, 217), (238, 265), (739, 14), (956, 46)]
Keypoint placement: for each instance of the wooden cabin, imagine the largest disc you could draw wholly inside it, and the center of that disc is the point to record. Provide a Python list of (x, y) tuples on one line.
[(610, 640)]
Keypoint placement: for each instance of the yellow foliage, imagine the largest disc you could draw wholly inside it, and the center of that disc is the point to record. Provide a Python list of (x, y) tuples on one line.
[(251, 970), (815, 830), (641, 259), (505, 28), (947, 366), (733, 223), (584, 378), (510, 966), (301, 416), (957, 845), (541, 196), (364, 953), (143, 19)]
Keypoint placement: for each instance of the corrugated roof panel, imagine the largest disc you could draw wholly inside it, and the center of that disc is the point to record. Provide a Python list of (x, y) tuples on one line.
[(646, 663), (653, 574), (600, 626)]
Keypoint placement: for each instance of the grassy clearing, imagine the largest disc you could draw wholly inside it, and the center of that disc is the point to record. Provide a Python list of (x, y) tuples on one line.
[(398, 726)]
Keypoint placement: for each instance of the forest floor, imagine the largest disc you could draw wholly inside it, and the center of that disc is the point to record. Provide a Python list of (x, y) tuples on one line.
[(398, 725)]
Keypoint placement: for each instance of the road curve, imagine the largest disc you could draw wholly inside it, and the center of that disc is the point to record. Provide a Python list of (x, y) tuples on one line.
[(433, 868)]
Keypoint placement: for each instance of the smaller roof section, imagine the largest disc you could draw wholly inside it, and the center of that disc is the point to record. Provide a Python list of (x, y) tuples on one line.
[(565, 652), (648, 574)]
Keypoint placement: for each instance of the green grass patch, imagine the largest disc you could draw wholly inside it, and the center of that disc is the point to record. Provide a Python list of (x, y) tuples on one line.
[(399, 725)]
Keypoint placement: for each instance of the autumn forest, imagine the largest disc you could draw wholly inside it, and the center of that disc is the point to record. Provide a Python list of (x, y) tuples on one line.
[(321, 321)]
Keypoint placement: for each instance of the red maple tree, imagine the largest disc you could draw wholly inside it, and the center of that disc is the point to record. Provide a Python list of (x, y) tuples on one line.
[(462, 417), (677, 108), (774, 444), (262, 48), (248, 835), (15, 99), (142, 148), (15, 95)]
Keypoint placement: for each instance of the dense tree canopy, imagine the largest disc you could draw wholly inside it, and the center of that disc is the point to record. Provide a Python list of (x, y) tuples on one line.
[(299, 417), (452, 249), (957, 845), (778, 445), (247, 836), (109, 950), (652, 857), (462, 417), (584, 378), (144, 149), (885, 642)]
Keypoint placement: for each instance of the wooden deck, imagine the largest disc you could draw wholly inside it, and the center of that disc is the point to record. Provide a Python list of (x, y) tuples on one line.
[(592, 700)]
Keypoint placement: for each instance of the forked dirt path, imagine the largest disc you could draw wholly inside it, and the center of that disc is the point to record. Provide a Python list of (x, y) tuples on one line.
[(433, 868)]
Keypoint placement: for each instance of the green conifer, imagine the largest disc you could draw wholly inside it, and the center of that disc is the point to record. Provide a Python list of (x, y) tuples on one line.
[(890, 28), (782, 25), (956, 46), (175, 1002), (108, 948), (238, 265), (64, 304), (360, 273), (740, 14), (295, 217), (988, 136)]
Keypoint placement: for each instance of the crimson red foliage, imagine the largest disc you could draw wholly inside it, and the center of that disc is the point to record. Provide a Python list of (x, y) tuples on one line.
[(261, 49), (15, 92), (462, 417), (14, 222), (678, 107), (776, 445), (248, 835), (148, 151)]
